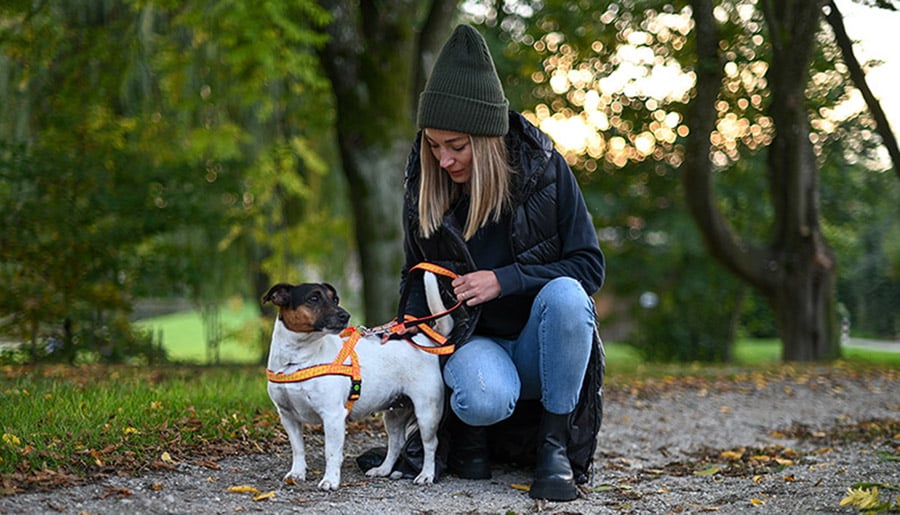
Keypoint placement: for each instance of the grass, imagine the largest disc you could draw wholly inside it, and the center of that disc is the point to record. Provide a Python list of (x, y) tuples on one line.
[(184, 338), (61, 424)]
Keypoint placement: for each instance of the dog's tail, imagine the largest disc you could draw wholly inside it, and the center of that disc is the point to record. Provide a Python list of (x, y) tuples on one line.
[(443, 324)]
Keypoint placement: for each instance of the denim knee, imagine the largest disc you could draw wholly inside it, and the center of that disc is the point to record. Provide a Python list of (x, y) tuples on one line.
[(483, 381), (564, 296)]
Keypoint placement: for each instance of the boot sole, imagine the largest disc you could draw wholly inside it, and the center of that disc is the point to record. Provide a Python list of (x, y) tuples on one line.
[(553, 490)]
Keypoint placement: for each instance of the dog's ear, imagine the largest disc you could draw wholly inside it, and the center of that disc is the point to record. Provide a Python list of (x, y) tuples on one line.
[(280, 295)]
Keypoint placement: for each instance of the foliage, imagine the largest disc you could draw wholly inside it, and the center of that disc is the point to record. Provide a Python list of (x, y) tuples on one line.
[(712, 297), (612, 81), (157, 149)]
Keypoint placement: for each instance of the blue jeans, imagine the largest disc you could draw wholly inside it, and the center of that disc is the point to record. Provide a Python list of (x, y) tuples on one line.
[(487, 376)]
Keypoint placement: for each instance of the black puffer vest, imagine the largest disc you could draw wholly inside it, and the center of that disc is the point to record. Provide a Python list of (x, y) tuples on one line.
[(534, 239)]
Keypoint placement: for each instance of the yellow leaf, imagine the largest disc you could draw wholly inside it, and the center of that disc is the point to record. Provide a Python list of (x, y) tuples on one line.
[(243, 489), (523, 488), (263, 497), (732, 455), (790, 478), (156, 486), (11, 439), (131, 431), (862, 498), (784, 461), (757, 502), (758, 479), (167, 458)]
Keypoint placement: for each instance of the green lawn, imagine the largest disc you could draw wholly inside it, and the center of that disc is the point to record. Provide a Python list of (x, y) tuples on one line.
[(185, 341)]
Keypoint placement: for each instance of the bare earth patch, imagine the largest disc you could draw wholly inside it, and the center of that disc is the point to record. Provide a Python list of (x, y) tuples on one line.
[(787, 443)]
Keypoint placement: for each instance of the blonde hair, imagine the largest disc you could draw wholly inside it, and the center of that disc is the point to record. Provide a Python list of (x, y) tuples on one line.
[(489, 187)]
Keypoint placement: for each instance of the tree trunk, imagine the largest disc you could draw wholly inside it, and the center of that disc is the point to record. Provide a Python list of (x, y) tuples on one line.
[(803, 294), (373, 60), (796, 271)]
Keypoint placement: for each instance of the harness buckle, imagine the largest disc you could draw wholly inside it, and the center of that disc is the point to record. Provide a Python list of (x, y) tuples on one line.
[(355, 389)]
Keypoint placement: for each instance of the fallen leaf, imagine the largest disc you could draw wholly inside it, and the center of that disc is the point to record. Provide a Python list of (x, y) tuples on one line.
[(117, 491), (707, 472), (243, 489), (759, 479), (862, 498), (167, 458), (524, 488), (263, 497), (757, 502), (790, 478), (208, 464), (732, 455), (156, 486)]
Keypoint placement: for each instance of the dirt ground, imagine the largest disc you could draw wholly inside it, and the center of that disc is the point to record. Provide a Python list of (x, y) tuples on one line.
[(791, 442)]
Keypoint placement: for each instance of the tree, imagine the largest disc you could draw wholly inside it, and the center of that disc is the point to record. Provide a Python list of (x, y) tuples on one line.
[(163, 121), (760, 85), (796, 271), (376, 59)]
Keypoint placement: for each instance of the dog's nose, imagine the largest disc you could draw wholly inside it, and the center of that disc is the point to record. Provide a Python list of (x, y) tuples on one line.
[(344, 316)]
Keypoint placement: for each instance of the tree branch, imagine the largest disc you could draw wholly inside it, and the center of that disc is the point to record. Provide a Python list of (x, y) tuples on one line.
[(697, 170), (836, 20)]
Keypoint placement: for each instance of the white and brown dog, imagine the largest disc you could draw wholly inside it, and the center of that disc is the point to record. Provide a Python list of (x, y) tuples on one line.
[(306, 336)]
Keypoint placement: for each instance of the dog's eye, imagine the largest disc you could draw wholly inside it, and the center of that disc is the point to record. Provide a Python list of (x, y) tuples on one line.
[(314, 298)]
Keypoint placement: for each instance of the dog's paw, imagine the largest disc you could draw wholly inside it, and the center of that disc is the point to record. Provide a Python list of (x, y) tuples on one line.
[(424, 479), (292, 478), (381, 471), (329, 483)]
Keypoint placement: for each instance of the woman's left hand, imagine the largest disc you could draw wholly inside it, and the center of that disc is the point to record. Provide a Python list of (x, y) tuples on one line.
[(476, 287)]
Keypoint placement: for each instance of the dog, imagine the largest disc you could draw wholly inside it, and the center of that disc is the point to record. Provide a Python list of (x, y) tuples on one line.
[(306, 334)]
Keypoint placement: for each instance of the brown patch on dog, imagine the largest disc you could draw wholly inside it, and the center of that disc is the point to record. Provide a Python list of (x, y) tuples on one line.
[(299, 320)]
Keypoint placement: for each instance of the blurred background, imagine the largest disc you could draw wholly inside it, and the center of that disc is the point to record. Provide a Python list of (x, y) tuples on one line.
[(163, 163)]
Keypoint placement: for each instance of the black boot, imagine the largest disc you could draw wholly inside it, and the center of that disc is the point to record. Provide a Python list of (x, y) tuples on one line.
[(553, 477), (469, 454)]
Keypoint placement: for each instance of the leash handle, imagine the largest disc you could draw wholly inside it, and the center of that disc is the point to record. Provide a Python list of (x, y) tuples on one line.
[(435, 269)]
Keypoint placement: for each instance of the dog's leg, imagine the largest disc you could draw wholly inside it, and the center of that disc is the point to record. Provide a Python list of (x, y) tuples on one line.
[(395, 425), (428, 414), (294, 429), (334, 427)]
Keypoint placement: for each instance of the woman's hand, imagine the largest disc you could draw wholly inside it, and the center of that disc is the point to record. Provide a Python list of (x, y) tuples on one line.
[(476, 287)]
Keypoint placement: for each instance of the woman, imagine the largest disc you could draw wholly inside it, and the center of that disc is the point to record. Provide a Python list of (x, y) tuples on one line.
[(489, 197)]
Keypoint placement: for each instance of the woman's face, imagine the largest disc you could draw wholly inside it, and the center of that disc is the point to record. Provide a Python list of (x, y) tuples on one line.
[(453, 150)]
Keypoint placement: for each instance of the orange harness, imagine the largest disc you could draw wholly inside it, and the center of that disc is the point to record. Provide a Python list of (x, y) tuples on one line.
[(336, 367), (352, 335)]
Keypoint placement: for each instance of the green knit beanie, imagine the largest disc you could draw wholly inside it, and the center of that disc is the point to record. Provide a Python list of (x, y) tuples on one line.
[(464, 93)]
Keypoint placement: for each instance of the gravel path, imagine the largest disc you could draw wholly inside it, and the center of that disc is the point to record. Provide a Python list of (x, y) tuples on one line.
[(788, 448)]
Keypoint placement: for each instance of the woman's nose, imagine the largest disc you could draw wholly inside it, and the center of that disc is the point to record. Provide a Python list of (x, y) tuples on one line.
[(446, 159)]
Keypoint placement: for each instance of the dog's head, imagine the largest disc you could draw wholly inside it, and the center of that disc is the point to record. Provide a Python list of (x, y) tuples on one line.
[(309, 307)]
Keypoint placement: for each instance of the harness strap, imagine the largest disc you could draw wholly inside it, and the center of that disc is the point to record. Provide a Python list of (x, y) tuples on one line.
[(336, 367), (352, 335)]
